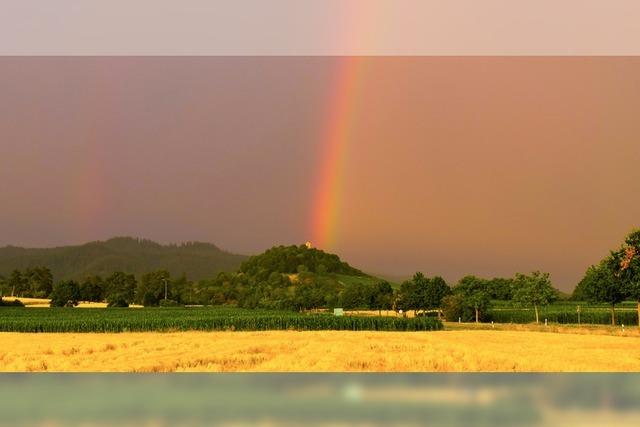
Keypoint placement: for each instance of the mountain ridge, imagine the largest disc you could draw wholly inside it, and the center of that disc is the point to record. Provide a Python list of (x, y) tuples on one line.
[(198, 260)]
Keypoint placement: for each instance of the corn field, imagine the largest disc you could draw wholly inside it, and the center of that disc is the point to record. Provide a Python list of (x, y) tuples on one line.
[(202, 319)]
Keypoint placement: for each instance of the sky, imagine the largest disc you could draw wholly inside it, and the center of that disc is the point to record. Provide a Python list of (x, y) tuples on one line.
[(446, 165)]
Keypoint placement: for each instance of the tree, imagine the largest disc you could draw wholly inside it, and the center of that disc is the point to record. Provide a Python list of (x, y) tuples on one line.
[(628, 267), (182, 290), (616, 277), (38, 281), (435, 292), (34, 282), (4, 286), (475, 293), (149, 299), (578, 293), (421, 284), (308, 295), (120, 287), (381, 296), (65, 294), (353, 296), (602, 284), (500, 288), (92, 289), (151, 289), (534, 289), (422, 293), (17, 283), (454, 308), (407, 298)]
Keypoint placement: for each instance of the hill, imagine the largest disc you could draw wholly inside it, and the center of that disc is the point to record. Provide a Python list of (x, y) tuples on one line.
[(296, 259), (138, 256), (296, 278)]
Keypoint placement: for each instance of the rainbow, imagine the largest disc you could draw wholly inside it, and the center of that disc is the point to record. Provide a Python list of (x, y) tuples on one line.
[(333, 152), (87, 193)]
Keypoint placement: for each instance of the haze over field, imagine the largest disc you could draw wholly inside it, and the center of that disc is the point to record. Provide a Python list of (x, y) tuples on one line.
[(450, 166)]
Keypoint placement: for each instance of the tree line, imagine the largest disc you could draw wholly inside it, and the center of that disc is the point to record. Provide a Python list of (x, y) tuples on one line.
[(615, 278), (287, 278), (35, 282), (470, 299), (303, 278)]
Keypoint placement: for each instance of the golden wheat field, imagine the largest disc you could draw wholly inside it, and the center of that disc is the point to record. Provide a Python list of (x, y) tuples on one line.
[(333, 351)]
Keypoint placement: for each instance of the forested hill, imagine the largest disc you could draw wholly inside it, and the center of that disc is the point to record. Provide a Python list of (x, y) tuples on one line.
[(297, 259), (137, 256)]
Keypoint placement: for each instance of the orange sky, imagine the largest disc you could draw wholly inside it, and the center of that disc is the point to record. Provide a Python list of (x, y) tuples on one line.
[(453, 165)]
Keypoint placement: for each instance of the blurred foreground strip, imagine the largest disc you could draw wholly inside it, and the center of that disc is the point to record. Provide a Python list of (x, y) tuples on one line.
[(319, 399)]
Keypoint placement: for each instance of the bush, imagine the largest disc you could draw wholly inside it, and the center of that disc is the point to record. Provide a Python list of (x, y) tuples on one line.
[(431, 313), (65, 294), (118, 301), (14, 303), (149, 300), (170, 303), (454, 307)]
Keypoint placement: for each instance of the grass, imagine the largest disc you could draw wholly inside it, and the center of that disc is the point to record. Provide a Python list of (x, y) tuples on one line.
[(462, 350)]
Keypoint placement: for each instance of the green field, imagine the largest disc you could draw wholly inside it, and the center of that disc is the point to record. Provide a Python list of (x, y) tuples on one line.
[(203, 319), (566, 312)]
